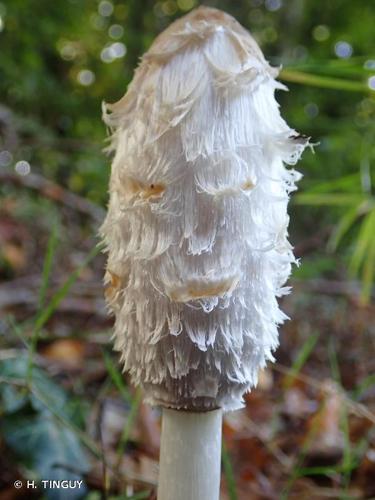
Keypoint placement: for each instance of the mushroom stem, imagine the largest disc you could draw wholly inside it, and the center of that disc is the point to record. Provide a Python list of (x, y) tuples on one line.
[(190, 455)]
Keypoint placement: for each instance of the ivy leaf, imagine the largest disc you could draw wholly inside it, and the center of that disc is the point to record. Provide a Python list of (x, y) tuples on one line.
[(53, 450), (39, 427)]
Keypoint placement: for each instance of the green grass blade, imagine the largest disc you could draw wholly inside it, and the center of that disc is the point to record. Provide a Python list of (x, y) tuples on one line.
[(363, 386), (301, 359), (345, 223), (229, 473), (299, 460), (326, 82), (348, 183), (129, 425), (369, 270), (319, 471), (347, 463), (17, 330), (64, 289), (329, 199), (47, 265), (334, 365), (47, 312), (116, 377), (364, 240)]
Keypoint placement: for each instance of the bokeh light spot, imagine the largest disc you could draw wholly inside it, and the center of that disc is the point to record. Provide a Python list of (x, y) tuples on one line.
[(273, 5), (118, 50), (116, 31), (105, 8), (98, 22), (269, 35), (369, 64), (311, 109), (22, 167), (68, 51), (112, 52), (321, 33), (106, 56), (343, 50), (86, 77), (185, 4), (5, 158), (371, 82), (169, 7)]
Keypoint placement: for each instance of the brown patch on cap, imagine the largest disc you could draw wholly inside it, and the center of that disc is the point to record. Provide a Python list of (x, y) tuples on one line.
[(132, 188), (248, 185), (152, 191), (202, 290), (113, 286)]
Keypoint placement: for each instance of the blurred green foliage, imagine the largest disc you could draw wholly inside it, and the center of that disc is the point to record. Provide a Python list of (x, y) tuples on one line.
[(60, 60), (42, 425)]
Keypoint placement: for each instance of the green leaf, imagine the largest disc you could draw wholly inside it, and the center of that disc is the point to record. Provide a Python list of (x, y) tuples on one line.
[(331, 199), (136, 403), (43, 433), (348, 459), (12, 398), (64, 289), (301, 359), (363, 243), (347, 183), (47, 265), (326, 82), (116, 377), (50, 448), (47, 312), (364, 385), (16, 369), (369, 269), (345, 223)]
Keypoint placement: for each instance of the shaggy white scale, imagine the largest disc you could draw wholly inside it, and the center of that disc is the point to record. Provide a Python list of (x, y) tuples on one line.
[(196, 230)]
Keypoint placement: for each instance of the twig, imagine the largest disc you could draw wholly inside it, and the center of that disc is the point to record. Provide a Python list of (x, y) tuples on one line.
[(26, 297), (54, 192)]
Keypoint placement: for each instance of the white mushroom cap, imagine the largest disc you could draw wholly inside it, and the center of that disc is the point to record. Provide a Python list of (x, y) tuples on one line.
[(196, 230)]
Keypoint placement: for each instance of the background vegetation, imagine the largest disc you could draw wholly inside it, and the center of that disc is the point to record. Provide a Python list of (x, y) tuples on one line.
[(308, 429)]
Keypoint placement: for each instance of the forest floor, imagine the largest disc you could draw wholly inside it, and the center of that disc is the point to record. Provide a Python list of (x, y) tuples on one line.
[(307, 430)]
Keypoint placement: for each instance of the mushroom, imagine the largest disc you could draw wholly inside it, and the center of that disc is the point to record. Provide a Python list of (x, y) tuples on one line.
[(197, 223)]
